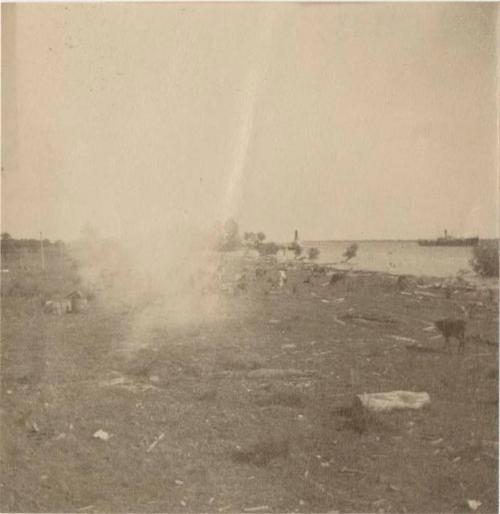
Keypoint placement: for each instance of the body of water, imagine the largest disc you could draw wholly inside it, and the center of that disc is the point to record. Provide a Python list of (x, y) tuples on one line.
[(399, 257)]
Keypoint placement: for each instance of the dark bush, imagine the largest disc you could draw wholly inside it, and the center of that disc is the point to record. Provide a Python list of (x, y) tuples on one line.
[(312, 254), (485, 259), (350, 252), (269, 248), (296, 249)]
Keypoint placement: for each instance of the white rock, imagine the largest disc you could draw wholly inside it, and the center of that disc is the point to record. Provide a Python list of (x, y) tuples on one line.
[(385, 402), (101, 434), (473, 504)]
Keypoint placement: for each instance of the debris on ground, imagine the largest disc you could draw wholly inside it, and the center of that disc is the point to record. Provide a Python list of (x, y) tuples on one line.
[(260, 508), (101, 434), (426, 293), (386, 402), (474, 504), (78, 301), (277, 373), (402, 338), (373, 317), (58, 307), (155, 442)]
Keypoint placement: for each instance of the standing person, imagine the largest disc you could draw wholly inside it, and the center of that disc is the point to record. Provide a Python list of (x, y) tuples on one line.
[(283, 278)]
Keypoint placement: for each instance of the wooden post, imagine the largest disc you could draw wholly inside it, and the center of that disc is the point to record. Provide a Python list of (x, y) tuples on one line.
[(42, 252)]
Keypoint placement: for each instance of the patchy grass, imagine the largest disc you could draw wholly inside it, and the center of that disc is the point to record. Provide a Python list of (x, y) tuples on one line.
[(234, 439)]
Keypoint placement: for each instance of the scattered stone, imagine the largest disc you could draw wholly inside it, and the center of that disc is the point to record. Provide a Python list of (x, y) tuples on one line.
[(386, 402), (401, 338), (473, 504), (371, 317), (426, 293), (57, 307), (101, 434), (277, 373)]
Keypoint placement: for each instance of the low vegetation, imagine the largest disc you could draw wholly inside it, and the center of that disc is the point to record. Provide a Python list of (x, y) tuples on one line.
[(351, 252), (312, 254), (485, 259)]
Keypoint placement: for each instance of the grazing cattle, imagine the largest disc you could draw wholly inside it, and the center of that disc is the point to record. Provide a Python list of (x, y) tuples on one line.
[(450, 327)]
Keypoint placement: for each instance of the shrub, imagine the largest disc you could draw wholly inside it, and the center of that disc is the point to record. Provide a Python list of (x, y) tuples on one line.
[(269, 248), (485, 259), (313, 254), (230, 239), (296, 249), (350, 252)]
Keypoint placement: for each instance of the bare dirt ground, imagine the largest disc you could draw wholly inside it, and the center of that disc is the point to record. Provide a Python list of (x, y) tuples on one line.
[(249, 413)]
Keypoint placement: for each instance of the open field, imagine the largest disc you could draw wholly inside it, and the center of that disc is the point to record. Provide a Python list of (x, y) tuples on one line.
[(248, 410)]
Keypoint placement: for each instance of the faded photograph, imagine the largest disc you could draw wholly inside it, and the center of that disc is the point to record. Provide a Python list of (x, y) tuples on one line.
[(249, 258)]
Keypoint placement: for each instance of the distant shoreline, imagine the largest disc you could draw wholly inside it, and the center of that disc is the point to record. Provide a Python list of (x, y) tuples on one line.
[(315, 241)]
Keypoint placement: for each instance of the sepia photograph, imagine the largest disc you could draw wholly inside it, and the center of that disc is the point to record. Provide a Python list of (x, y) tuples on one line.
[(249, 257)]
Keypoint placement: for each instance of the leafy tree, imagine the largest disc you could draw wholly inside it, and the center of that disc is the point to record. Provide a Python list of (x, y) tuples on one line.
[(350, 252), (230, 240), (268, 248)]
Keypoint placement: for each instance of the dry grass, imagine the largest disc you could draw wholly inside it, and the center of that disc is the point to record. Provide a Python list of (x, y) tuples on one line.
[(232, 442)]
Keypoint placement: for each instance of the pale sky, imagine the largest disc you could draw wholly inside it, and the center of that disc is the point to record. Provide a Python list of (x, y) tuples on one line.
[(345, 121)]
